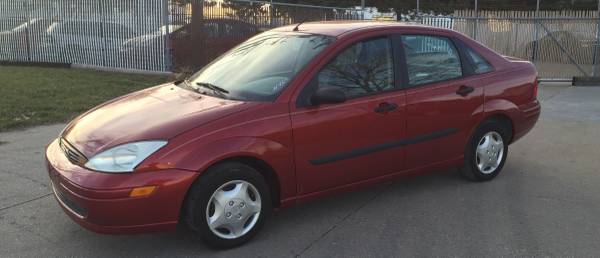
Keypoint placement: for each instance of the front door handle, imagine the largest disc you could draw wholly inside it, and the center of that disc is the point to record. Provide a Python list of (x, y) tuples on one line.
[(385, 107), (464, 90)]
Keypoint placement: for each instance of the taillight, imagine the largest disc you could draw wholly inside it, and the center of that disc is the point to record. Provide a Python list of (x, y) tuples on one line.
[(535, 88)]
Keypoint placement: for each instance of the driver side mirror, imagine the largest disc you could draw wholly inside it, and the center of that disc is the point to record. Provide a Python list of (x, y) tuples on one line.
[(328, 95)]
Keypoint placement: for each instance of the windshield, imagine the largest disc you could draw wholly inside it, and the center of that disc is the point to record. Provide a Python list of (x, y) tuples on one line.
[(260, 68)]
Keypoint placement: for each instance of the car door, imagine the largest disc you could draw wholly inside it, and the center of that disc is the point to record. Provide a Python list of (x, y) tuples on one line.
[(61, 34), (442, 101), (89, 35), (114, 35), (344, 143)]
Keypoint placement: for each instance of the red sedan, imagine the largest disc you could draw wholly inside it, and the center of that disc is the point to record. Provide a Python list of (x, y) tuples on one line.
[(292, 114)]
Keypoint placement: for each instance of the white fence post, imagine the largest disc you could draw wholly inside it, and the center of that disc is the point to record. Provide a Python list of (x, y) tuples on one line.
[(536, 22), (167, 38), (476, 21), (27, 31), (418, 10), (595, 62)]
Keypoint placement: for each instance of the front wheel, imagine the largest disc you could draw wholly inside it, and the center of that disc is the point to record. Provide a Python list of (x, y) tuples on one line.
[(228, 205), (487, 151)]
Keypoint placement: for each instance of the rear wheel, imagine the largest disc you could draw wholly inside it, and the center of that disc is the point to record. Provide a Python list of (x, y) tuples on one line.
[(487, 151), (228, 205)]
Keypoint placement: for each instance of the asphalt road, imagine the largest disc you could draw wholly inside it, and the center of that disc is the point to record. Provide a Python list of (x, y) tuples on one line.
[(546, 202)]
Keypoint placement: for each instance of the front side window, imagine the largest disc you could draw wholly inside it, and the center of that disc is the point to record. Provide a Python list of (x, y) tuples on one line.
[(364, 68), (93, 29), (211, 29), (261, 67), (430, 59), (179, 32), (230, 30), (67, 28), (116, 31)]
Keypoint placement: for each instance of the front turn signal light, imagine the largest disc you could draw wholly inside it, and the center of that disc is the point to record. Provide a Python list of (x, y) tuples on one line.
[(142, 191)]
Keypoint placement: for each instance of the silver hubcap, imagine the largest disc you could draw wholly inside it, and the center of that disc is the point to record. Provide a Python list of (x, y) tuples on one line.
[(233, 209), (490, 151)]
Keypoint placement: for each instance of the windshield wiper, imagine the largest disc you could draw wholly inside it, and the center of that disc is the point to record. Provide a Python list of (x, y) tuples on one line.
[(213, 87), (183, 83)]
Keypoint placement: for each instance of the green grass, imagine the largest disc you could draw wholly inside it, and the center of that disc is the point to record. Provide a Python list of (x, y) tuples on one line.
[(31, 96)]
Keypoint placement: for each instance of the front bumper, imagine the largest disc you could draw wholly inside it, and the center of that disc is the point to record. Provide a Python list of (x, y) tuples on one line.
[(100, 202)]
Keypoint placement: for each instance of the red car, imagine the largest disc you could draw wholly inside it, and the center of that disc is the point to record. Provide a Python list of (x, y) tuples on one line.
[(292, 114), (217, 36)]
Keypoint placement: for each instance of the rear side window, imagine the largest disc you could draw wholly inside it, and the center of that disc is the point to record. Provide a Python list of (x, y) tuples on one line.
[(364, 68), (480, 65), (211, 29), (116, 31), (430, 59), (66, 28), (184, 32), (76, 28)]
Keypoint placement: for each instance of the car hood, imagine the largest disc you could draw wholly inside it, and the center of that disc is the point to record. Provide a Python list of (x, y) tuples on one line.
[(160, 112)]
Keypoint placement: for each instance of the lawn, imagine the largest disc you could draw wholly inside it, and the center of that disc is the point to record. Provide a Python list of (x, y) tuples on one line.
[(31, 96)]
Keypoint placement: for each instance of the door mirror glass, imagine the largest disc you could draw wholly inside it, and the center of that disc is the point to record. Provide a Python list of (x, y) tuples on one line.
[(328, 95)]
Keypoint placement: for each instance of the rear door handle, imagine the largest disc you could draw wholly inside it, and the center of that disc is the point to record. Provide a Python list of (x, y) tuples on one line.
[(464, 90), (385, 107)]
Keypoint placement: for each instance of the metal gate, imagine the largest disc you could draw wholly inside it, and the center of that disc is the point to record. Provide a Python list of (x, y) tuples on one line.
[(562, 45), (104, 33), (203, 30), (149, 35)]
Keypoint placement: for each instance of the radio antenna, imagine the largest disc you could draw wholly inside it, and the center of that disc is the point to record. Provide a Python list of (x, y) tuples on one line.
[(296, 28)]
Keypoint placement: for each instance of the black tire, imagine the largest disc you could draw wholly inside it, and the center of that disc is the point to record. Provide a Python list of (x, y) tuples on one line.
[(470, 170), (199, 195)]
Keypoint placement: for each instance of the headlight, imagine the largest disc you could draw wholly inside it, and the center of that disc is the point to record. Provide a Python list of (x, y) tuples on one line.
[(124, 158)]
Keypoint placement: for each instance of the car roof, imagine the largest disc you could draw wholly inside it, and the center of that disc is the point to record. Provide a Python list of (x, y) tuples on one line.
[(338, 28), (225, 20)]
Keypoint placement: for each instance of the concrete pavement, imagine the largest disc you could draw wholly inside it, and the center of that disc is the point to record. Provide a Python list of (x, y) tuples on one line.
[(546, 202)]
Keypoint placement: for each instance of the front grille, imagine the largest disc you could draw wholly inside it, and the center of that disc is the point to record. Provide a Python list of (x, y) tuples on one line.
[(68, 203), (72, 154)]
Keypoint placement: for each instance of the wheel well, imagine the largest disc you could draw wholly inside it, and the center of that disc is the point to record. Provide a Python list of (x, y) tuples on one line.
[(261, 166), (267, 172), (504, 120)]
